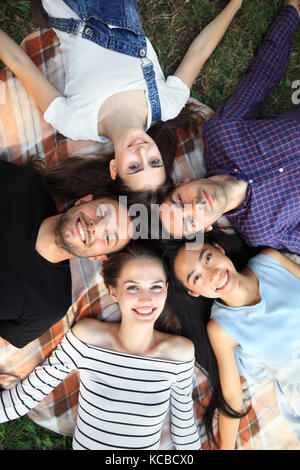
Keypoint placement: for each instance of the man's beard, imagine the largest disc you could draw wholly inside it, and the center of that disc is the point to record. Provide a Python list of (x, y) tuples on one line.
[(60, 238)]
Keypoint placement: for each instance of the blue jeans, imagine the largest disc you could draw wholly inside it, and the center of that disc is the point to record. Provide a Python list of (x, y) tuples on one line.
[(127, 36)]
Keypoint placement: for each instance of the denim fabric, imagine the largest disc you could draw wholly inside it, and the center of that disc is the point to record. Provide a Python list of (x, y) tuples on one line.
[(127, 37)]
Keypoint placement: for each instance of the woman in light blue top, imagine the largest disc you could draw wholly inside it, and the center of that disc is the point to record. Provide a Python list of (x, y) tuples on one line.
[(254, 327)]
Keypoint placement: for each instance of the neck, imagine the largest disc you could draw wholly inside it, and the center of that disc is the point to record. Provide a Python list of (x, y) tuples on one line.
[(235, 190), (136, 339), (247, 292), (116, 120), (46, 241)]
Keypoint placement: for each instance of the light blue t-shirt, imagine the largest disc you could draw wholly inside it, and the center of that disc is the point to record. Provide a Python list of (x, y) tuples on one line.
[(268, 334)]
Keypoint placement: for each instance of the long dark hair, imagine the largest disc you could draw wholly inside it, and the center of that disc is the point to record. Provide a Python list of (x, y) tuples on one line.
[(78, 175), (166, 134), (194, 314)]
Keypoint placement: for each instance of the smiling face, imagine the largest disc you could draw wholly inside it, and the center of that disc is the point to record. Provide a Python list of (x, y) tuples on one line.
[(141, 290), (138, 161), (206, 271), (192, 207), (91, 228)]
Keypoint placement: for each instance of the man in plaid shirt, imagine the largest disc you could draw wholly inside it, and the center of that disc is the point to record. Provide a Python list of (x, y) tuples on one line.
[(253, 165)]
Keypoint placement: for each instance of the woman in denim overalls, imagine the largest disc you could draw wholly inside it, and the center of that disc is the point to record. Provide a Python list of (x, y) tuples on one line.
[(123, 116)]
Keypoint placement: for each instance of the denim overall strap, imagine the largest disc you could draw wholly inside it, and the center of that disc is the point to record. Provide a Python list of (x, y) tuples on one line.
[(153, 95), (119, 39), (69, 25)]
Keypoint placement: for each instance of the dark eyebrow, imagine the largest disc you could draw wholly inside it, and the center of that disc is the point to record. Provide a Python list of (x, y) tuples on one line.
[(137, 282), (200, 259), (136, 171)]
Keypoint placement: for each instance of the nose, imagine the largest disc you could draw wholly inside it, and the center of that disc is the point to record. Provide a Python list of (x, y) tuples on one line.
[(199, 200), (141, 152), (145, 298), (216, 276), (95, 228)]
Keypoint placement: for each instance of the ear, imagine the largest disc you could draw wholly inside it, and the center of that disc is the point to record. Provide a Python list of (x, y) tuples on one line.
[(112, 293), (193, 294), (98, 258), (113, 169), (220, 248), (181, 182), (84, 199), (209, 228)]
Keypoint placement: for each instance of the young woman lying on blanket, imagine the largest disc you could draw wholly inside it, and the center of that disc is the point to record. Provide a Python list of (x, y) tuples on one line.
[(129, 371), (249, 325), (121, 97)]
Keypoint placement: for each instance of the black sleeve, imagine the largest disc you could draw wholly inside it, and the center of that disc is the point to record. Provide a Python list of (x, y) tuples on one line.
[(20, 333)]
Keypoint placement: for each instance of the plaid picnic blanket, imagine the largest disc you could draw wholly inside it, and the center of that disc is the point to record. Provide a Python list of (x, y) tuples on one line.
[(24, 133)]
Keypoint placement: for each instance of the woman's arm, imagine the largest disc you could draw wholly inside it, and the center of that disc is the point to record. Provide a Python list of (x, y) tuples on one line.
[(184, 430), (26, 395), (16, 59), (223, 346), (205, 43), (286, 262)]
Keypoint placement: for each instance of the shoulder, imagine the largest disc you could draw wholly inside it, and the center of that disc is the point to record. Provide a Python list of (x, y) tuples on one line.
[(277, 256), (272, 253), (89, 330), (218, 337), (13, 171), (287, 263), (177, 348)]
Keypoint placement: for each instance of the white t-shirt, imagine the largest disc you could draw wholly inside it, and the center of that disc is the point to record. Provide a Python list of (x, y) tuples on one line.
[(93, 74)]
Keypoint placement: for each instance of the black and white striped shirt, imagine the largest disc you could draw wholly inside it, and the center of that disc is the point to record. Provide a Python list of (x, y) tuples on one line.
[(123, 399)]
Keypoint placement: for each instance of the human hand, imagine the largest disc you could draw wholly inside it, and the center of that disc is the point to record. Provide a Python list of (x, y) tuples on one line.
[(293, 3)]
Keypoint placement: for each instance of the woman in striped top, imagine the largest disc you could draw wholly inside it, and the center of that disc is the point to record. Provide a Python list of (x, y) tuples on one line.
[(129, 371)]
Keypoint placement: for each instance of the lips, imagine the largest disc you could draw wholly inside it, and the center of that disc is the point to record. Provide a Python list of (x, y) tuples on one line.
[(144, 311), (208, 198), (81, 230), (224, 282), (137, 141)]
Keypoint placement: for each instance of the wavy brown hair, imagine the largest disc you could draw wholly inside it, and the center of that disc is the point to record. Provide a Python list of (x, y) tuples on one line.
[(78, 175)]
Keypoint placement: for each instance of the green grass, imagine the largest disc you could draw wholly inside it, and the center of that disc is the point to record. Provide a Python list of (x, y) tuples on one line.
[(171, 25), (24, 434)]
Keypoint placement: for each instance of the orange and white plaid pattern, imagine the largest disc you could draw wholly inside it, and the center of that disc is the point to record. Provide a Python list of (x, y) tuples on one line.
[(24, 133)]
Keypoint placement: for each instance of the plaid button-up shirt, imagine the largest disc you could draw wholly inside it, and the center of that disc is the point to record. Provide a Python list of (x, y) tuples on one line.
[(264, 151)]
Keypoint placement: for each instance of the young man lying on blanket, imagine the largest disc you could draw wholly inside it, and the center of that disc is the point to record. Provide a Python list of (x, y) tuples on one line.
[(253, 165), (34, 271)]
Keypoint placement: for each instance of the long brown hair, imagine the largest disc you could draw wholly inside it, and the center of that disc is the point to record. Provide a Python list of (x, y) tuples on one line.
[(165, 134), (78, 175)]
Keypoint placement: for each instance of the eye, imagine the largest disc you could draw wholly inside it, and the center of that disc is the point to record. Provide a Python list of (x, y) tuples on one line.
[(179, 201), (156, 161), (133, 166), (208, 258), (132, 288), (196, 278), (157, 288)]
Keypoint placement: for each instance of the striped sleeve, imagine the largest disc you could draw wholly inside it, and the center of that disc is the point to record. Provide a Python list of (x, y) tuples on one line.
[(23, 397), (183, 426)]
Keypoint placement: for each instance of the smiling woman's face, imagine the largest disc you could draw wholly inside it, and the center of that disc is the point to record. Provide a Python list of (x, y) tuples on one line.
[(206, 271), (141, 290), (138, 161)]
